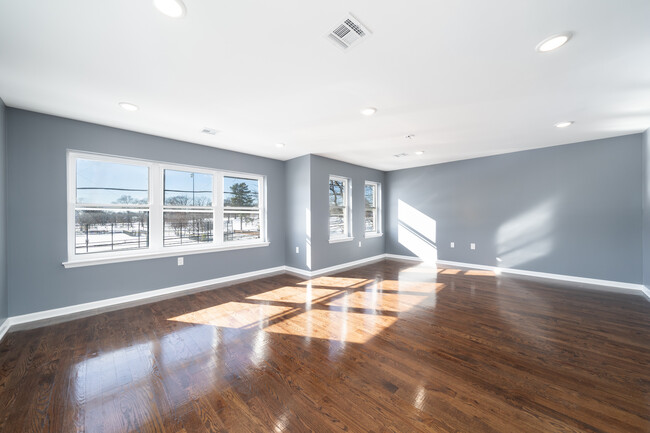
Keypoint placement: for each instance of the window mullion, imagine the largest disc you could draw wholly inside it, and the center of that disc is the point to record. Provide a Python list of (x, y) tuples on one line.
[(156, 207), (217, 202)]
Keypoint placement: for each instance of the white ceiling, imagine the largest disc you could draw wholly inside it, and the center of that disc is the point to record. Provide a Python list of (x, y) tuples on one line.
[(463, 76)]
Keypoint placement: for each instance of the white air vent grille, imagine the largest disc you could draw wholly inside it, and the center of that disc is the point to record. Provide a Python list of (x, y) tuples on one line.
[(348, 33)]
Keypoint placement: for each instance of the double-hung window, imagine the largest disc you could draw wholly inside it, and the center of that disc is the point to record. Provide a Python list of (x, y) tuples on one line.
[(339, 203), (372, 194), (188, 215), (241, 209), (111, 206), (121, 209)]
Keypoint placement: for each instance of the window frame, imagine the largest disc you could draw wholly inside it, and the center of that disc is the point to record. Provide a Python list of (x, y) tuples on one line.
[(347, 213), (377, 210), (156, 209)]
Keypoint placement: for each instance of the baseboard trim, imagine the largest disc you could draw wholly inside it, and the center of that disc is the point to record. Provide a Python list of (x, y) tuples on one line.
[(96, 307), (91, 308), (402, 258), (612, 286), (646, 292), (4, 328), (57, 315), (336, 268)]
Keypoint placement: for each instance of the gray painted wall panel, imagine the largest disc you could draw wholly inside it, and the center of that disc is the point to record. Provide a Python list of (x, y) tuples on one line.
[(646, 208), (4, 295), (37, 214), (298, 218), (571, 210), (325, 254)]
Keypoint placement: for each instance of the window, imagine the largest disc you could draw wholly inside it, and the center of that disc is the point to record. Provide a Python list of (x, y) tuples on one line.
[(119, 207), (372, 196), (241, 209), (188, 216), (339, 209), (111, 210)]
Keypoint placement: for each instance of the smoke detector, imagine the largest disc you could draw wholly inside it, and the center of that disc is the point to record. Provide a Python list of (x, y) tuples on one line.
[(348, 32)]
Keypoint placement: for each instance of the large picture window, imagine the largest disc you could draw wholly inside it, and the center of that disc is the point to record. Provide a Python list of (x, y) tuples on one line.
[(122, 208), (372, 195), (339, 218)]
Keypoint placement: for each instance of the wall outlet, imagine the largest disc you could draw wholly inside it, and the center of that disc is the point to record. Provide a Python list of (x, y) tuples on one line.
[(453, 245), (181, 261), (359, 244), (297, 250), (472, 246)]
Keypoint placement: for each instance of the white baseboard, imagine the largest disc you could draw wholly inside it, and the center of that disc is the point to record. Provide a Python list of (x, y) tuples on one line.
[(612, 286), (646, 292), (402, 258), (336, 268), (105, 304), (4, 328), (112, 303)]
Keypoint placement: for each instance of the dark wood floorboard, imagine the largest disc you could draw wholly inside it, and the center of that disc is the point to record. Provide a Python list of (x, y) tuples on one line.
[(389, 347)]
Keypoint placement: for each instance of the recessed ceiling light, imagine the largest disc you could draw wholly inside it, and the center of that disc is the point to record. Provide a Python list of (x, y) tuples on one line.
[(553, 42), (171, 8), (420, 152), (368, 111), (128, 106), (564, 124), (410, 137), (279, 145)]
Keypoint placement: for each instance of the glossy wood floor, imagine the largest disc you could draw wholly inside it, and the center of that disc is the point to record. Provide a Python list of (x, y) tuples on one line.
[(389, 347)]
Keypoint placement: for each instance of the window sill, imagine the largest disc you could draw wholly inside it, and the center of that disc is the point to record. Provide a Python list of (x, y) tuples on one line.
[(76, 263), (373, 235), (337, 240)]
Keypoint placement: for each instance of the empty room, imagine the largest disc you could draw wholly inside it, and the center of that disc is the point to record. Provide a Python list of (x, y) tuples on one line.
[(310, 216)]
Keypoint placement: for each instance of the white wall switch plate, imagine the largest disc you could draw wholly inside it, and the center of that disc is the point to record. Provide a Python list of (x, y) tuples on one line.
[(297, 250), (453, 245), (181, 261), (472, 246)]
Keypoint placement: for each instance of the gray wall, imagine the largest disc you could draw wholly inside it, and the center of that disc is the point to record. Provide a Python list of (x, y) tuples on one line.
[(646, 208), (325, 254), (298, 219), (37, 281), (4, 295), (571, 210)]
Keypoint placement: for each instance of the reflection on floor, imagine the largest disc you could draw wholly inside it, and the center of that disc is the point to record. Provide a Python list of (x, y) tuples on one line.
[(389, 347)]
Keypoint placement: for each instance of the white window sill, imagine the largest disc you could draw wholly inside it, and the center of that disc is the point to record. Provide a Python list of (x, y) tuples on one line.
[(92, 261), (337, 240), (374, 235)]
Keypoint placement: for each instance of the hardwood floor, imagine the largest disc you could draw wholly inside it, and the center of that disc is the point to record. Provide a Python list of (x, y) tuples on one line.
[(390, 347)]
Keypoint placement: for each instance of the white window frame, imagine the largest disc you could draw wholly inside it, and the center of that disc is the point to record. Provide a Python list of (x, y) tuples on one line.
[(155, 208), (347, 214), (378, 229)]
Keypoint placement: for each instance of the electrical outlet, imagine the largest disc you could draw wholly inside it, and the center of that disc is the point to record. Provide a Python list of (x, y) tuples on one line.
[(181, 261), (472, 246), (359, 244), (453, 245), (297, 250)]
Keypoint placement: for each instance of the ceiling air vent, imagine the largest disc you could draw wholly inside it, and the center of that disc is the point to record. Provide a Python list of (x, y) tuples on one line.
[(348, 32), (209, 131)]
